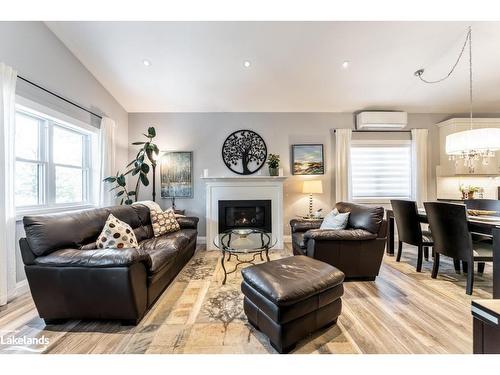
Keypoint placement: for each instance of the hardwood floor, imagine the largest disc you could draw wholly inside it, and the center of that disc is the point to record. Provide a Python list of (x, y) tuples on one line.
[(401, 312)]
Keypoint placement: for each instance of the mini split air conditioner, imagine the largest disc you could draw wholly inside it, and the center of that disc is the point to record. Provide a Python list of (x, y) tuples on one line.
[(378, 120)]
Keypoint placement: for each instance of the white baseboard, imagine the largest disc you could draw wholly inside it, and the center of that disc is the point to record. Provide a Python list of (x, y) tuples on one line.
[(22, 287)]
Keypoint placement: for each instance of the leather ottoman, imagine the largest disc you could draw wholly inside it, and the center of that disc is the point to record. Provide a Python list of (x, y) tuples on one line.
[(289, 298)]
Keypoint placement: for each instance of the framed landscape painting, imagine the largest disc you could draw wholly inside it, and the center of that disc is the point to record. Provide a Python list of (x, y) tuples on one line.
[(307, 159), (176, 174)]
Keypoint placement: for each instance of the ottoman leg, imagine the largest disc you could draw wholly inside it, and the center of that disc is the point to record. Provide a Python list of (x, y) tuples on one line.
[(282, 350), (253, 324)]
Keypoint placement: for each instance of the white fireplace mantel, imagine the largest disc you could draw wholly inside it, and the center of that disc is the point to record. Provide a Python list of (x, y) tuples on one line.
[(245, 178), (244, 188)]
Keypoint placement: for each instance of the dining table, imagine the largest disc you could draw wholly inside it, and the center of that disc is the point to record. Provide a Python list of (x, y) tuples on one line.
[(484, 225)]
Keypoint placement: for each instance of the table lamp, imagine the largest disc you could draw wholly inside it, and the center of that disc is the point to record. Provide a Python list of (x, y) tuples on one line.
[(312, 187)]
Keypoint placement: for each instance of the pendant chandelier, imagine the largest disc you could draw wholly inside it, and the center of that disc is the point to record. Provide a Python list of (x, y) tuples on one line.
[(474, 144)]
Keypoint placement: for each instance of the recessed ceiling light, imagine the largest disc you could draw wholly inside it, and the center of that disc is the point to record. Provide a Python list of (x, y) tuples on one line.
[(345, 64), (146, 62), (247, 64)]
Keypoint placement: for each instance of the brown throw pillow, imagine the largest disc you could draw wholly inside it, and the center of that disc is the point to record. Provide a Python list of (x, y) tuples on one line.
[(116, 235), (164, 222)]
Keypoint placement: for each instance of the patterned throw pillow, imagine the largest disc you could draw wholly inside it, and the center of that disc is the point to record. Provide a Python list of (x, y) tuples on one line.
[(164, 222), (116, 235)]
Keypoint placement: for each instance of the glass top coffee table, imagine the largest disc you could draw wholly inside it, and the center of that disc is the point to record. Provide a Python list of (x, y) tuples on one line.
[(244, 241)]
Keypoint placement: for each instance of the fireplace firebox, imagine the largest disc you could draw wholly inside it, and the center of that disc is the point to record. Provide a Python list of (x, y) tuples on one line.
[(245, 214)]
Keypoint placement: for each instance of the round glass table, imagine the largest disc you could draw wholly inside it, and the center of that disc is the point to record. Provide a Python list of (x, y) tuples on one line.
[(244, 241)]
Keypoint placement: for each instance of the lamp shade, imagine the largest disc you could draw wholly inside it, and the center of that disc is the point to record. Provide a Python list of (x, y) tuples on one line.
[(312, 187), (484, 139)]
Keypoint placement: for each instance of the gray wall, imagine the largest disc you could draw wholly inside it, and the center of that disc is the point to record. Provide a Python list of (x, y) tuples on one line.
[(204, 133), (35, 52)]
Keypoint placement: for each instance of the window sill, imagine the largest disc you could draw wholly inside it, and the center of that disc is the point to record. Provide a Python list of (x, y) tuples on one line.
[(375, 200), (50, 210)]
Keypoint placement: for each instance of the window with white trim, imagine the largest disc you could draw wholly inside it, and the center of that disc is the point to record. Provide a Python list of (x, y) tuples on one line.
[(381, 170), (53, 162)]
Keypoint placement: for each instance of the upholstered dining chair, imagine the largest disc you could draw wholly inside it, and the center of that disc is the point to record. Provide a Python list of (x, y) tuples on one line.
[(448, 223), (410, 231)]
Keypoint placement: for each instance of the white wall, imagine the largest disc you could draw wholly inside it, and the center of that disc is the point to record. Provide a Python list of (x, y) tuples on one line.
[(36, 53), (204, 134)]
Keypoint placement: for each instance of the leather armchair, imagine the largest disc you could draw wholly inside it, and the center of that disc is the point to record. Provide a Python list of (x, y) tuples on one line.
[(357, 250)]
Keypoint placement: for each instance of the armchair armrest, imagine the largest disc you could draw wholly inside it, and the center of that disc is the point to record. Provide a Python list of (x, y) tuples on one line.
[(188, 222), (301, 225), (339, 235), (95, 258)]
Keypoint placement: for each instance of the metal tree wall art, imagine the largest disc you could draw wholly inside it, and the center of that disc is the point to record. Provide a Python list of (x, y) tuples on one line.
[(244, 152)]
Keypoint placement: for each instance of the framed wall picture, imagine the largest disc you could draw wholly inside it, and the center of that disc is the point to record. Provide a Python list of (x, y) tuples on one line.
[(308, 159), (176, 174)]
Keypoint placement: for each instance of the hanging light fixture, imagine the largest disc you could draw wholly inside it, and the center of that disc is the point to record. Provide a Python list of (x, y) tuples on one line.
[(473, 144)]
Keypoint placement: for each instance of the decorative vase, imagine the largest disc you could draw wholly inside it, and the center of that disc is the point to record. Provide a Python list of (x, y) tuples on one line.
[(273, 171), (470, 195)]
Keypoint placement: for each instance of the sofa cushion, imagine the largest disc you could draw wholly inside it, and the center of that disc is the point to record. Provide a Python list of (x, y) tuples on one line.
[(95, 258), (161, 257), (362, 217), (116, 234), (47, 233), (290, 280), (164, 249), (170, 240), (190, 234)]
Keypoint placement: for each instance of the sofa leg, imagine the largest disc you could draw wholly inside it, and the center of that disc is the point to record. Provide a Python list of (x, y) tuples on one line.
[(50, 322), (330, 324), (282, 350)]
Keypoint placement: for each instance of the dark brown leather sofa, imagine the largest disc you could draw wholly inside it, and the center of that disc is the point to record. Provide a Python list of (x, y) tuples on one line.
[(357, 250), (70, 279)]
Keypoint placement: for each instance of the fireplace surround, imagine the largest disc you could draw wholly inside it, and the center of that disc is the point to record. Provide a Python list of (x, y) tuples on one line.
[(257, 188)]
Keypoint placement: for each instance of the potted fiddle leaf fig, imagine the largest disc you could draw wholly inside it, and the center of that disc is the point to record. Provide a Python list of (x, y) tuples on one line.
[(273, 161), (144, 161)]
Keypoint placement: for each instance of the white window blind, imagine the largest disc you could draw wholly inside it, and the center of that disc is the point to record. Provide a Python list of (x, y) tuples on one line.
[(381, 171)]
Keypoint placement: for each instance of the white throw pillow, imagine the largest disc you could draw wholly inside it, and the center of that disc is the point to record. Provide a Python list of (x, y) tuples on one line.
[(116, 234), (335, 220)]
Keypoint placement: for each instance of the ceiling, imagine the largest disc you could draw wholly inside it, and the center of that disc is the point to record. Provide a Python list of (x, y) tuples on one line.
[(295, 66)]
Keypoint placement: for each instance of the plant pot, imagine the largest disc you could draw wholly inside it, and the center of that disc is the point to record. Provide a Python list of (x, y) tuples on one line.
[(470, 195), (273, 171)]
